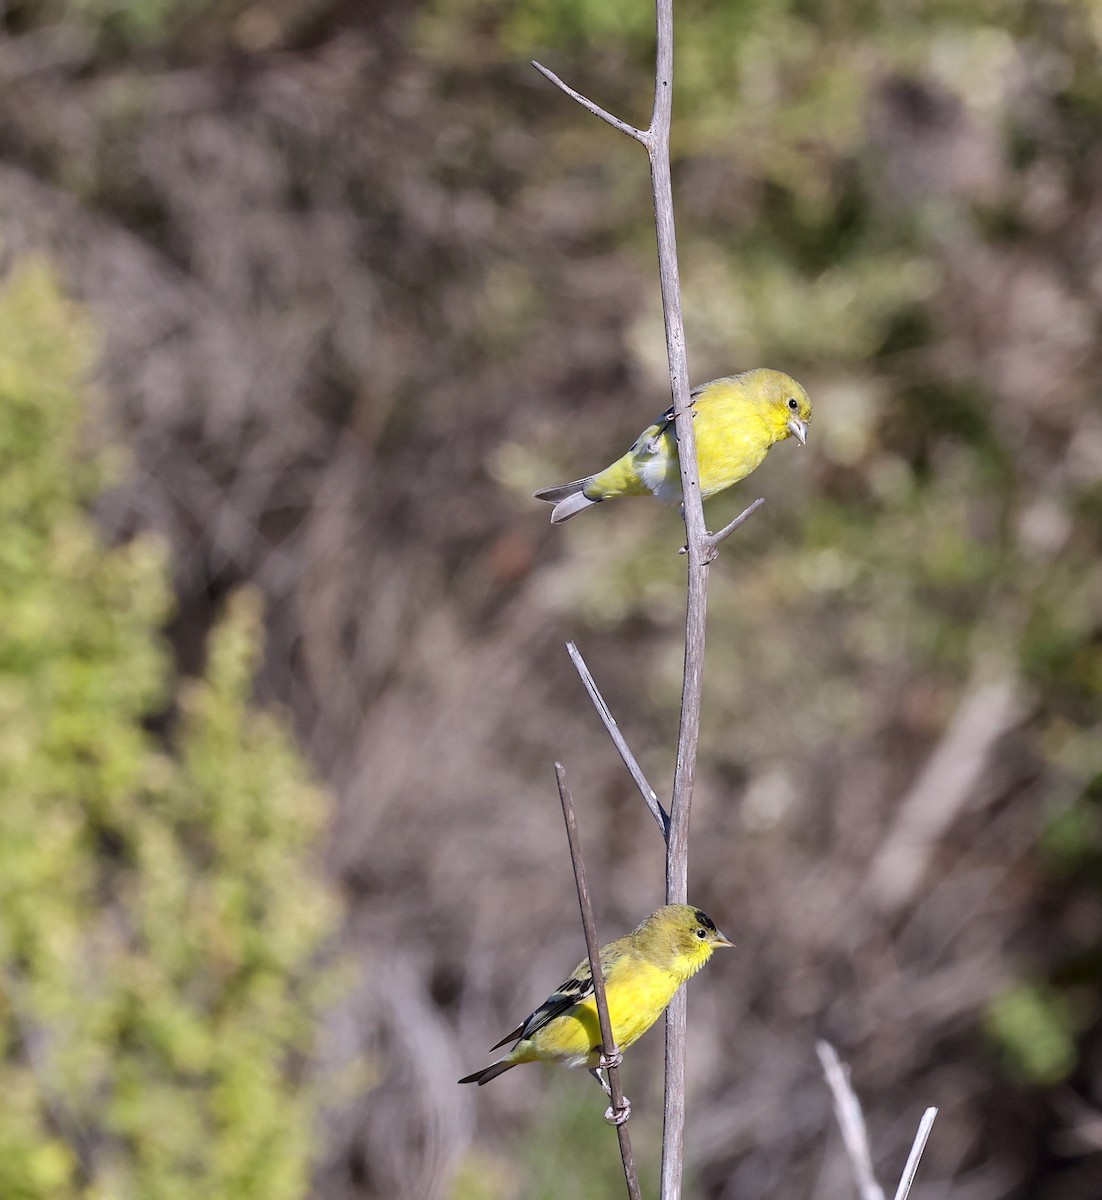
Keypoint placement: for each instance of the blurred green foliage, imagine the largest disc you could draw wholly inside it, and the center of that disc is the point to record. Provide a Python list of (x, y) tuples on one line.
[(1033, 1027), (591, 1168), (161, 914), (574, 1153)]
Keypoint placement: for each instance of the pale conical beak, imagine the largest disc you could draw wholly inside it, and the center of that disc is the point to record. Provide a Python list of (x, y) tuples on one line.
[(798, 429), (721, 939)]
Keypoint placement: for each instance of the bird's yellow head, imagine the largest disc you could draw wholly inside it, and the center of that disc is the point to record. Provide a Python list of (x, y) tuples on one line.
[(786, 405), (680, 938)]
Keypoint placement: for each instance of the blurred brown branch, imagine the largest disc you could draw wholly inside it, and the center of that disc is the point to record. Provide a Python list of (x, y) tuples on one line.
[(620, 1109), (989, 710)]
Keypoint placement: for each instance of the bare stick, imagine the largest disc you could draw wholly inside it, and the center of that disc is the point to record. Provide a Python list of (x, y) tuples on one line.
[(714, 539), (656, 138), (609, 1053), (696, 608), (847, 1108), (609, 721), (588, 104), (851, 1121), (915, 1156)]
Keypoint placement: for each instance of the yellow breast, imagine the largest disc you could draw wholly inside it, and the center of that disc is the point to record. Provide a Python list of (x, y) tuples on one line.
[(732, 438), (637, 996), (638, 1000)]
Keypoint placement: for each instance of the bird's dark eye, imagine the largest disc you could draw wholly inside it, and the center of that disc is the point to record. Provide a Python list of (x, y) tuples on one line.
[(702, 934), (793, 404)]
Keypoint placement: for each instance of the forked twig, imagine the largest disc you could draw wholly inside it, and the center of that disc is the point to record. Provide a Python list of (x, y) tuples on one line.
[(851, 1121), (609, 1053), (609, 722)]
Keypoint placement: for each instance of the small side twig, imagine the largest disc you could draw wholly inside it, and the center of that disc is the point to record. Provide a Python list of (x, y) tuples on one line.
[(712, 540), (609, 1052), (648, 793), (851, 1121), (638, 134)]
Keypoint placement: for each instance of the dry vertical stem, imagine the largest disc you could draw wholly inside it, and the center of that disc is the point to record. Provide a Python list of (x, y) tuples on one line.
[(677, 844), (700, 547), (608, 1044)]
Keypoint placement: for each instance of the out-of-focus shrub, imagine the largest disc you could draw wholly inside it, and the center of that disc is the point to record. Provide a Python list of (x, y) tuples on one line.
[(160, 912)]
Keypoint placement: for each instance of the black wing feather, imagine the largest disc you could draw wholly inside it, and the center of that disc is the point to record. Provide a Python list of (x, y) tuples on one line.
[(571, 991)]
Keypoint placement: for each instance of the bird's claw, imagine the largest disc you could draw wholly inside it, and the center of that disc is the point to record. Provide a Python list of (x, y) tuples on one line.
[(617, 1116), (613, 1059)]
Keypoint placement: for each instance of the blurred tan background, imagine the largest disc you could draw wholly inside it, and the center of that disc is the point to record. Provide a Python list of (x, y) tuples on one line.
[(327, 289)]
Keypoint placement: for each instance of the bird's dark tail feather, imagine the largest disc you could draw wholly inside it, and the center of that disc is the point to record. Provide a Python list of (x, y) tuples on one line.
[(488, 1073)]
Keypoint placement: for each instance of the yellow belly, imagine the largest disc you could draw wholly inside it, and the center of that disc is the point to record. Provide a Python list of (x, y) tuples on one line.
[(635, 1002), (728, 449)]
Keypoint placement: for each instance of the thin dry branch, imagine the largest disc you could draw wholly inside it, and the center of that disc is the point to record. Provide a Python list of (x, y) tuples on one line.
[(714, 539), (638, 134), (609, 721), (696, 607), (851, 1121), (610, 1055), (656, 139), (915, 1156)]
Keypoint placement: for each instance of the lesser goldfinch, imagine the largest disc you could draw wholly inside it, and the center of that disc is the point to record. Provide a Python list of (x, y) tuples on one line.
[(642, 971), (737, 419)]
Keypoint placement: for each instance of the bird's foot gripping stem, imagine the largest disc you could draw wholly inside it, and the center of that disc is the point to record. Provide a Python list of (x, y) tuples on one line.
[(614, 1114)]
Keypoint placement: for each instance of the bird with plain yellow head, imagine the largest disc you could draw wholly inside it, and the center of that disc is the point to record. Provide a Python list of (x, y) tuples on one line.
[(642, 972), (737, 419)]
